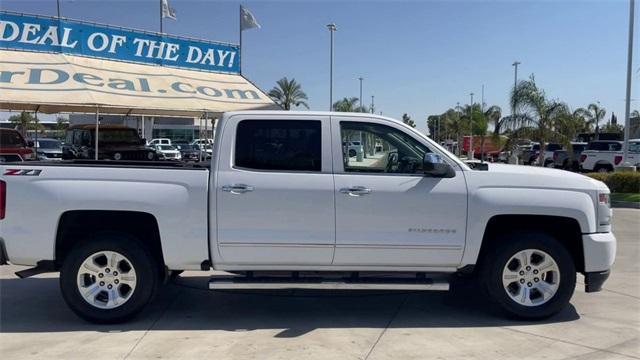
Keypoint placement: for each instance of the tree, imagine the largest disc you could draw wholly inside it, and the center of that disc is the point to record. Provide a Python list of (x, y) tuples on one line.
[(62, 124), (635, 114), (594, 113), (24, 122), (346, 105), (535, 112), (407, 120), (288, 94)]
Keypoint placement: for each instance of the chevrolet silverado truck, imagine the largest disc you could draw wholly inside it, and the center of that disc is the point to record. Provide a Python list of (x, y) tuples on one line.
[(283, 205)]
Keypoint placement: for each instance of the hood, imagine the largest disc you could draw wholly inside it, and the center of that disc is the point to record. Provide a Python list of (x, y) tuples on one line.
[(535, 176)]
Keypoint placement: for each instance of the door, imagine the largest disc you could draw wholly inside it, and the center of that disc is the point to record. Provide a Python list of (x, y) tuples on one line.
[(388, 213), (275, 203)]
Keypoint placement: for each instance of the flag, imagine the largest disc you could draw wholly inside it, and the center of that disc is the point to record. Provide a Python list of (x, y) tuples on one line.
[(247, 20), (167, 11)]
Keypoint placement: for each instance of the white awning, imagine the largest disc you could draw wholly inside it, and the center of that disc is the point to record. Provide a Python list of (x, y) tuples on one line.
[(52, 83)]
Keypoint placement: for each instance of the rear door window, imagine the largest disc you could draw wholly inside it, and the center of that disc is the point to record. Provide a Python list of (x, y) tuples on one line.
[(279, 145), (11, 138)]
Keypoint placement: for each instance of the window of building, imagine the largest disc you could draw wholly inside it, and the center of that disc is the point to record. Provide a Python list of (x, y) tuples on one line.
[(285, 145)]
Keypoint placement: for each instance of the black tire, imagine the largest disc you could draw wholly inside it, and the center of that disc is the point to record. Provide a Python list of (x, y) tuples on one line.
[(603, 168), (352, 153), (508, 246), (145, 266)]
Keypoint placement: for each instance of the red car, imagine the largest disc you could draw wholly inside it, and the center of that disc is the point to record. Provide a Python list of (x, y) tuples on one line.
[(13, 147)]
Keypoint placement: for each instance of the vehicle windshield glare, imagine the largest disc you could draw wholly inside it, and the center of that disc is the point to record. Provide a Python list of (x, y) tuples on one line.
[(165, 147)]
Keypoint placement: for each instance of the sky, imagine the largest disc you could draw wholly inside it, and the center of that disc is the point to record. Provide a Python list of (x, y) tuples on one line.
[(416, 57)]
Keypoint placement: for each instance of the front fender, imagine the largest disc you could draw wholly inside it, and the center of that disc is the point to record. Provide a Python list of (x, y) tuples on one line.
[(487, 202)]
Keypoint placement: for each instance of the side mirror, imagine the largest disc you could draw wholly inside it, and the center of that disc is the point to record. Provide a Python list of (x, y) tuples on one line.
[(30, 143), (433, 165)]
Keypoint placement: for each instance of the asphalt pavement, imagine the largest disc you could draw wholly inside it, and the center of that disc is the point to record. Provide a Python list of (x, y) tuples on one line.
[(188, 322)]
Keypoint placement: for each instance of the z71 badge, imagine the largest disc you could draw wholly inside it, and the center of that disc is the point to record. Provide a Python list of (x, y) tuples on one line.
[(22, 172)]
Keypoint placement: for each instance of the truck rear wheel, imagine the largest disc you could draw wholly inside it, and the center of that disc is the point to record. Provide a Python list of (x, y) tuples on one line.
[(109, 278), (531, 276)]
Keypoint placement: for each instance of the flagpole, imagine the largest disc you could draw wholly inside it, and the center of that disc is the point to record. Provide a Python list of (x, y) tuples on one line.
[(240, 46), (161, 16)]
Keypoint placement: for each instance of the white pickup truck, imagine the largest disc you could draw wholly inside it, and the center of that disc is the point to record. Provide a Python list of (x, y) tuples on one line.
[(283, 205), (606, 155)]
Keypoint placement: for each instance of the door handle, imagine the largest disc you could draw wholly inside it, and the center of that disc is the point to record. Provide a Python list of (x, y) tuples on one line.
[(237, 188), (355, 190)]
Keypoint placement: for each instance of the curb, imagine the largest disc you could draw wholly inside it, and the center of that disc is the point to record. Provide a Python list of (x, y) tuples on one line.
[(625, 204)]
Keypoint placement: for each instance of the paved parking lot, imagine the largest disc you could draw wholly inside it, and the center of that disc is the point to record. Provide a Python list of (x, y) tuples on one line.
[(188, 322)]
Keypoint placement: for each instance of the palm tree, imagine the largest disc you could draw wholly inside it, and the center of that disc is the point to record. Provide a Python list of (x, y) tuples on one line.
[(536, 112), (593, 114), (288, 93), (456, 126), (407, 120), (493, 115), (346, 105), (634, 114)]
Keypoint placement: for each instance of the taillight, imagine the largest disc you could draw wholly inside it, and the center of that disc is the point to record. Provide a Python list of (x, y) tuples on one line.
[(617, 159), (583, 158), (3, 198)]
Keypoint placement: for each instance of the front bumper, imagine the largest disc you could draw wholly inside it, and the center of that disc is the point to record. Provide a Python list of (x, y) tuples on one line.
[(599, 251)]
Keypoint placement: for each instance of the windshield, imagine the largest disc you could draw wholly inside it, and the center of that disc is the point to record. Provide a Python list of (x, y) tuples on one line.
[(11, 138), (634, 147), (554, 147), (118, 136), (187, 147), (49, 144), (165, 147)]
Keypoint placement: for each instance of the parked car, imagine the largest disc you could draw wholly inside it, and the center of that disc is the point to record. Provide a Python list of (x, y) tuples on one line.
[(49, 149), (562, 160), (355, 148), (167, 152), (601, 156), (189, 152), (13, 147), (530, 157), (115, 142), (282, 208), (202, 141), (159, 141)]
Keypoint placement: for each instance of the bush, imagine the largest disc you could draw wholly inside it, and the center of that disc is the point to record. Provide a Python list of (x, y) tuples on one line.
[(619, 182)]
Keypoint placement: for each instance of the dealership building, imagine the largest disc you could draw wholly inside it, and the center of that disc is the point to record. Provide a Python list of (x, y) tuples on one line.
[(102, 74)]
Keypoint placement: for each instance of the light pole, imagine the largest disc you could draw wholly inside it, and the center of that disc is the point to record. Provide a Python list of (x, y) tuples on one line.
[(627, 107), (332, 28), (360, 98), (515, 85), (470, 153), (372, 103)]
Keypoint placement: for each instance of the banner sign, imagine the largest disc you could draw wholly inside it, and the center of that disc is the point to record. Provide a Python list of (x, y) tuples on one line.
[(46, 34)]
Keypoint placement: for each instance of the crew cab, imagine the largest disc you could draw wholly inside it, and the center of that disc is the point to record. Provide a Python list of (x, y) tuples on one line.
[(606, 155), (282, 205)]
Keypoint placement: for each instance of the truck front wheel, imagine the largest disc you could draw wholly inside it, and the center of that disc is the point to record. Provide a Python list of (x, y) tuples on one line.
[(531, 276), (108, 279)]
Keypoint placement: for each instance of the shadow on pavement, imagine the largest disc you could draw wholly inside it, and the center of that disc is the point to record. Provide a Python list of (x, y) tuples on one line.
[(36, 305)]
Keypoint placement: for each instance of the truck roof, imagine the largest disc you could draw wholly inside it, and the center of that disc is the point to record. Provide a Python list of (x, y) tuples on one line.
[(307, 113)]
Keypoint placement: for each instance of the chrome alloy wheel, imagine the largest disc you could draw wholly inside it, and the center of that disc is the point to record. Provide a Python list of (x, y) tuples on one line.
[(106, 279), (531, 277)]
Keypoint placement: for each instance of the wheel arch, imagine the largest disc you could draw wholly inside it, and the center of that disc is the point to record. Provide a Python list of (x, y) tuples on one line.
[(75, 227), (565, 230)]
